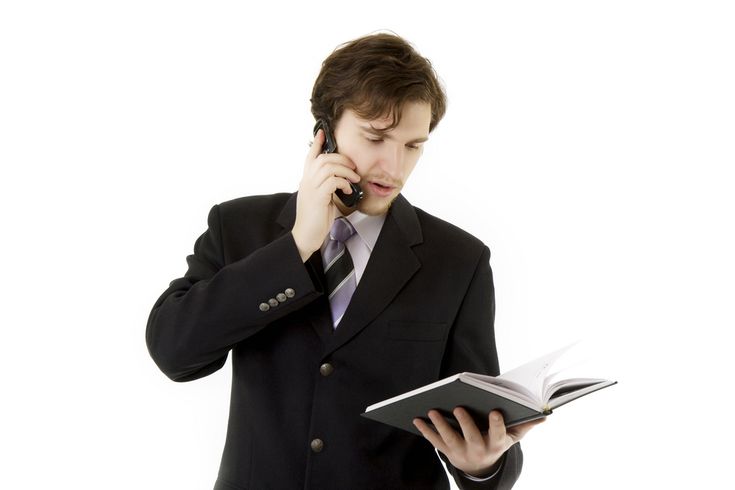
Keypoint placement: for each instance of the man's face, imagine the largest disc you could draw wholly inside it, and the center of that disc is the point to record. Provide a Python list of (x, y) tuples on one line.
[(384, 160)]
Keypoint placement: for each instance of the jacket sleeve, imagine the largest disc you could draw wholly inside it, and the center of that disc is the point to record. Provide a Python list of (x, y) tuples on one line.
[(202, 315), (472, 348)]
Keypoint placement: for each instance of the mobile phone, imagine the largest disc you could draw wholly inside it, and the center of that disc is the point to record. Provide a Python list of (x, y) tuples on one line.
[(330, 146)]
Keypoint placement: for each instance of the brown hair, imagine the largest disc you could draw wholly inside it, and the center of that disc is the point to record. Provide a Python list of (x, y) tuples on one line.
[(375, 76)]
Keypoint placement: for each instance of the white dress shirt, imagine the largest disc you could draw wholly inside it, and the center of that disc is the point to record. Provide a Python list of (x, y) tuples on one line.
[(361, 244)]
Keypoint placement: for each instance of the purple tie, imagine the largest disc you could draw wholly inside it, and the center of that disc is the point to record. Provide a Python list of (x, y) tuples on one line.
[(338, 269)]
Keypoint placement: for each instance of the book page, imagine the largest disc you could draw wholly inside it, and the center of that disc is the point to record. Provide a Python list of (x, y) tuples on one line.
[(566, 386), (533, 374), (576, 390), (504, 385)]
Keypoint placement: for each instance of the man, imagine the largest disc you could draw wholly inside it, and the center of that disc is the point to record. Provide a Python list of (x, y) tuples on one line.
[(312, 348)]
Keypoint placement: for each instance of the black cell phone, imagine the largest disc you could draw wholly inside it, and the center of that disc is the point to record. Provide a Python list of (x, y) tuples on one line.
[(330, 146)]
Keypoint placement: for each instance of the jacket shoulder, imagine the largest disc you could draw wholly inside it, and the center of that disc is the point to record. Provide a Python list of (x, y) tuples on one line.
[(261, 202), (265, 208), (434, 228)]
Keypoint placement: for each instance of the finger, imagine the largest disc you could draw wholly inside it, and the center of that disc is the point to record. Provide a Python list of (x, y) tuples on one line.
[(450, 437), (496, 430), (469, 428), (336, 170), (346, 161), (341, 169), (316, 146), (347, 188), (334, 183), (430, 435), (334, 159)]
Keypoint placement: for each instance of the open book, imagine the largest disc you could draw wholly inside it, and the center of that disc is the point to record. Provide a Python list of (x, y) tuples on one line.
[(526, 393)]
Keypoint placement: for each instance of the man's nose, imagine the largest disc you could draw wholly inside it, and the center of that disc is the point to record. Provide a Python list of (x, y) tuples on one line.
[(392, 160)]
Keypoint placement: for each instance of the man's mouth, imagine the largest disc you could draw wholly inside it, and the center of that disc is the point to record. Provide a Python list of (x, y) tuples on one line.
[(380, 188)]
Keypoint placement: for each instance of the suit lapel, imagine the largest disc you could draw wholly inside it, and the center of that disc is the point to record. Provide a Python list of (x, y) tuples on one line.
[(392, 263)]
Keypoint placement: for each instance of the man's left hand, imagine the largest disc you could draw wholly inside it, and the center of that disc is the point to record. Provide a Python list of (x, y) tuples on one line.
[(473, 452)]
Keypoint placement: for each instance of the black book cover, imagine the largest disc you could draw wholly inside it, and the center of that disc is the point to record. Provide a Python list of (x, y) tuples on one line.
[(445, 398)]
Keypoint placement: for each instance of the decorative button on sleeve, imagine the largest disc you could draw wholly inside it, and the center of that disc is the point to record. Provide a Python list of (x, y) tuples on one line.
[(279, 298)]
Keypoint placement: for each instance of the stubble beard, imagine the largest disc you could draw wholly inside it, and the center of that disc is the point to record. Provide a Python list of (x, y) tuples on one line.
[(372, 208)]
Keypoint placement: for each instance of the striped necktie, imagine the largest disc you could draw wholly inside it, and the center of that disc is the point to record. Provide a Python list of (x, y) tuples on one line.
[(338, 268)]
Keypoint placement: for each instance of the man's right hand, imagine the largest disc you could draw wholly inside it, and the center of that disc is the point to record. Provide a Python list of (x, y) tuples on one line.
[(324, 173)]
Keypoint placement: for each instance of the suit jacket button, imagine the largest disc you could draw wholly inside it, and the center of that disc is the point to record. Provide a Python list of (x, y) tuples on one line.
[(326, 369), (273, 302), (290, 293), (281, 297), (317, 445), (264, 307)]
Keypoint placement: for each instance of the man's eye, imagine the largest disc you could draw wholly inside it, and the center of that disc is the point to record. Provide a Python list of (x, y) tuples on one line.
[(373, 140), (412, 147)]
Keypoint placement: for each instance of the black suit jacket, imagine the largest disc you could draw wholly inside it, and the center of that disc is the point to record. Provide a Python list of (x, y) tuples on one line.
[(423, 310)]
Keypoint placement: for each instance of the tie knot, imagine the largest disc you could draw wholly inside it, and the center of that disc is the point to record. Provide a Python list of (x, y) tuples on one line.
[(341, 230)]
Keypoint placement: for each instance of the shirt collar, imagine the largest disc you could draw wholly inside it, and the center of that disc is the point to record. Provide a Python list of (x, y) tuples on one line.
[(367, 227)]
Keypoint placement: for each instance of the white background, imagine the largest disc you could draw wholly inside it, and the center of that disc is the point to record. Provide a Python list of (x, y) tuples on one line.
[(589, 144)]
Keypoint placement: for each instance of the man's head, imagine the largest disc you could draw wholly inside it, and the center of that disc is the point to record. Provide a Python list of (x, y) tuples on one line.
[(382, 99), (375, 76)]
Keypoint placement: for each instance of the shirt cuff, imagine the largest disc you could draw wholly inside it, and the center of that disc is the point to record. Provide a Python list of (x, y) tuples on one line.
[(485, 478)]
